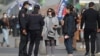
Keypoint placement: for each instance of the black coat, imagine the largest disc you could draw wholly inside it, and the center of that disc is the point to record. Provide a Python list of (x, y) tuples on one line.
[(35, 22), (91, 19), (22, 18), (14, 22)]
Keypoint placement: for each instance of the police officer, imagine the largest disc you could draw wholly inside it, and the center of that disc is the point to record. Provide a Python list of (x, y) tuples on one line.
[(35, 25), (23, 33)]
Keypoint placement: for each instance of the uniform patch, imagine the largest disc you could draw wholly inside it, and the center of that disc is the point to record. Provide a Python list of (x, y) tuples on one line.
[(23, 15)]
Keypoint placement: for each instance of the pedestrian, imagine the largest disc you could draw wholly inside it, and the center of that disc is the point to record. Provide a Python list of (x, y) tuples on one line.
[(76, 34), (98, 41), (35, 25), (23, 28), (13, 25), (50, 31), (69, 28), (5, 29), (82, 32), (90, 18)]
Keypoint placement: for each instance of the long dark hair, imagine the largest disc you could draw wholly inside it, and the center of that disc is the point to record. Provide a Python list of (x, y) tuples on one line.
[(5, 20), (51, 10)]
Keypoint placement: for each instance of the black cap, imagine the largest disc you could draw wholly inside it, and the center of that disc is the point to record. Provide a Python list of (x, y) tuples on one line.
[(37, 6), (91, 4), (26, 2)]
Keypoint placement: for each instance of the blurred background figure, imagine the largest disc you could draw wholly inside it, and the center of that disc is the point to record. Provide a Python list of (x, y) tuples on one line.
[(82, 32), (76, 34), (4, 22), (14, 26)]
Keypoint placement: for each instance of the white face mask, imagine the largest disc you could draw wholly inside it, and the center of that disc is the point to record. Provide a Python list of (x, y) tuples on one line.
[(29, 8), (13, 16), (5, 16)]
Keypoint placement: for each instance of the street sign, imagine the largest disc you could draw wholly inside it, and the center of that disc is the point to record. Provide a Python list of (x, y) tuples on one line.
[(87, 1)]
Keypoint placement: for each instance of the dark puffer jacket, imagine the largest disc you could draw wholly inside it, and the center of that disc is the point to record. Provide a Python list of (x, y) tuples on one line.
[(69, 26)]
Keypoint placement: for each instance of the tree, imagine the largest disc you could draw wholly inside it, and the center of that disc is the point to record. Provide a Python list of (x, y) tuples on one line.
[(42, 2)]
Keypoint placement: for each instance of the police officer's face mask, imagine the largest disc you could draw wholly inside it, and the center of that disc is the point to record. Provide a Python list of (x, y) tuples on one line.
[(13, 16), (5, 16), (29, 8)]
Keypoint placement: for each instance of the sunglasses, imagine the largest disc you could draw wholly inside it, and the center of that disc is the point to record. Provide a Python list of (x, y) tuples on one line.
[(49, 11)]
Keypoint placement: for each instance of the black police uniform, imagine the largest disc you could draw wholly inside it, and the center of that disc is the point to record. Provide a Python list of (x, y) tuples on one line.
[(35, 26), (23, 38)]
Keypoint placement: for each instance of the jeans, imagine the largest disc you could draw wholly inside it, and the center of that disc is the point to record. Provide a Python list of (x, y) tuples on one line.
[(68, 45), (5, 35)]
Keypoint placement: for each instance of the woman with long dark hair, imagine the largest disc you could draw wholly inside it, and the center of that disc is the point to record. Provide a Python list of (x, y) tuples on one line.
[(5, 26)]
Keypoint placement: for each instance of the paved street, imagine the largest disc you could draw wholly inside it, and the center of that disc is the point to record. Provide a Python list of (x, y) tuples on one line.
[(58, 52), (12, 51)]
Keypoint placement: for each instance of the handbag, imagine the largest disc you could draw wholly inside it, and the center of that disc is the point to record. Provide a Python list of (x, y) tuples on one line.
[(42, 48), (50, 33)]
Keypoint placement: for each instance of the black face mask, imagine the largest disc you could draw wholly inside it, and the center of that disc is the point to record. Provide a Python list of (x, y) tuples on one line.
[(25, 9)]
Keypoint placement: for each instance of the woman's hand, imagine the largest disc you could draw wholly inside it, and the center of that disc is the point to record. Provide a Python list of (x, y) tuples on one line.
[(55, 26), (24, 32)]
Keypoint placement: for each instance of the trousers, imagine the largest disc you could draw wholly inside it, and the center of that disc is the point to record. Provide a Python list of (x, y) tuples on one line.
[(68, 45), (92, 34), (5, 36), (35, 37), (23, 45)]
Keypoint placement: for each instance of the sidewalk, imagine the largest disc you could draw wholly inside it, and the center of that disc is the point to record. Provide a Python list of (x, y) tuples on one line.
[(60, 50)]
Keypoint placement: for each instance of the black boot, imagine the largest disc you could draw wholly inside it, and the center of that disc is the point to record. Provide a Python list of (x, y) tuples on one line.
[(86, 54), (92, 54)]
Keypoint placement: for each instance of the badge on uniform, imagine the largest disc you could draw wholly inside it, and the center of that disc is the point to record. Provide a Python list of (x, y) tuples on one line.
[(23, 15)]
